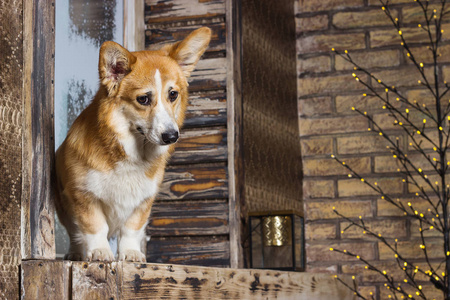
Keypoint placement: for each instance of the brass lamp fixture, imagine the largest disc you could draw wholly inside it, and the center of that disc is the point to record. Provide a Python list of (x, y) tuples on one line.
[(277, 240)]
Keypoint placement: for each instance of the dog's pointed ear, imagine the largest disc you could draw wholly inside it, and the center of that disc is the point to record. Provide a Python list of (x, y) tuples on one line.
[(114, 63), (187, 52)]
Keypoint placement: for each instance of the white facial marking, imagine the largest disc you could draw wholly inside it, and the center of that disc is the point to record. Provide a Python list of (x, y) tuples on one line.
[(162, 120)]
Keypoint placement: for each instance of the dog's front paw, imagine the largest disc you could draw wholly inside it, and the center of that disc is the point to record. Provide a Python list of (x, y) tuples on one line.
[(73, 256), (100, 254), (132, 255)]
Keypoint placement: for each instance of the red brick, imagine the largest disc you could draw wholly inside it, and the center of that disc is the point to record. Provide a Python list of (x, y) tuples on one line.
[(322, 252), (387, 227), (319, 22), (316, 146), (326, 5), (329, 166), (411, 249), (362, 144), (324, 210), (332, 125), (318, 188), (359, 19), (324, 42), (315, 106), (370, 59), (354, 187), (320, 231)]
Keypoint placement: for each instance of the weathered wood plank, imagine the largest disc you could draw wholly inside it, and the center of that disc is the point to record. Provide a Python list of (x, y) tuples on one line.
[(200, 251), (133, 25), (174, 10), (206, 109), (194, 182), (188, 218), (235, 139), (46, 279), (209, 74), (155, 281), (96, 280), (201, 146), (38, 239), (167, 33)]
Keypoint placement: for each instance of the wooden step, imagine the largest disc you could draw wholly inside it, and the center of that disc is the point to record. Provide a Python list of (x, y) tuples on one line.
[(120, 280)]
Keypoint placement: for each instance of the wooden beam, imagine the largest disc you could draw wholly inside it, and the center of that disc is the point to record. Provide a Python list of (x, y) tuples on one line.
[(46, 279), (122, 280), (96, 280), (235, 130), (155, 281), (38, 239)]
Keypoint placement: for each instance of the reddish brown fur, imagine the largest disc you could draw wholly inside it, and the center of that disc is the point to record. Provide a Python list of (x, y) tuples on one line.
[(93, 144)]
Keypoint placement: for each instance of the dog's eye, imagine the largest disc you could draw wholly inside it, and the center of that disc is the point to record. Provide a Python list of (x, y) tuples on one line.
[(173, 95), (143, 100)]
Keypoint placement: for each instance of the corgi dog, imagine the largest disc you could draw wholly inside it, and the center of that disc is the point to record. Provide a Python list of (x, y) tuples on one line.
[(112, 161)]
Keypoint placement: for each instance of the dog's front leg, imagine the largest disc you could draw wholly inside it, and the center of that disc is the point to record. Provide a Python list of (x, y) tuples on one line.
[(133, 232), (93, 231)]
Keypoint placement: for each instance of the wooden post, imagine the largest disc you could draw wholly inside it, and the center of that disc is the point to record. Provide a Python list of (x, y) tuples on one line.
[(133, 25), (38, 240), (235, 131)]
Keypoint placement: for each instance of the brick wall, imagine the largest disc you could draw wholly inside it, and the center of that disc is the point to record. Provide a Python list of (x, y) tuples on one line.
[(326, 92)]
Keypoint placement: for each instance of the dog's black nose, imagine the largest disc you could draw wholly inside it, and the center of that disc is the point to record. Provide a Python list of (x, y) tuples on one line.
[(170, 137)]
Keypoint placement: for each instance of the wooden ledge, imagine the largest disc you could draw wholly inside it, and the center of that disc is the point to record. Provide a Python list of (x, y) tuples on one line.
[(120, 280)]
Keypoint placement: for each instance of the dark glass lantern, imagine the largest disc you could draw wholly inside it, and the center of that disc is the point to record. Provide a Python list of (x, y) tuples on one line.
[(277, 240)]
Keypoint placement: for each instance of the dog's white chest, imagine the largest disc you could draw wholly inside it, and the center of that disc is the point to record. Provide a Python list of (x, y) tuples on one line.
[(125, 186)]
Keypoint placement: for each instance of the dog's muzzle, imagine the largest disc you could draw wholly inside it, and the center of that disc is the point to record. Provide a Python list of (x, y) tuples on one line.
[(170, 137)]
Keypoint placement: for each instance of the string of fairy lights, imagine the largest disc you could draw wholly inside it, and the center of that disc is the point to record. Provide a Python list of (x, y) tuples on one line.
[(418, 179)]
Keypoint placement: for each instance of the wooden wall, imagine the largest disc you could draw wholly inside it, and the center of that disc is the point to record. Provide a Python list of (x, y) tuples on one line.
[(190, 219)]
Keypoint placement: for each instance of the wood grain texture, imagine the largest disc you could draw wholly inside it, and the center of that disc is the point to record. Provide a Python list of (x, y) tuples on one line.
[(46, 280), (237, 208), (11, 107), (194, 182), (133, 25), (193, 250), (188, 218), (167, 33), (172, 10), (206, 109), (38, 145), (201, 146), (155, 281), (96, 280), (209, 74)]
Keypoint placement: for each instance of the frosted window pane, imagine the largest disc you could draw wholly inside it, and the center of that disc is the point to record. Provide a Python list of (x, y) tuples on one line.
[(81, 27)]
